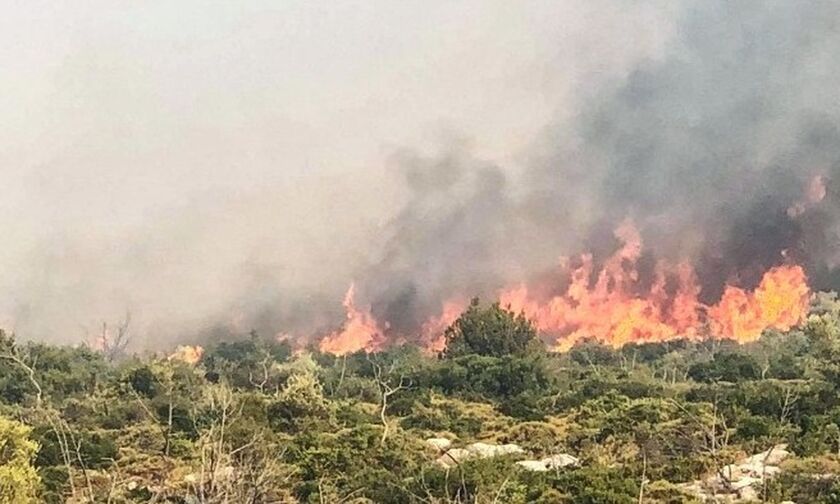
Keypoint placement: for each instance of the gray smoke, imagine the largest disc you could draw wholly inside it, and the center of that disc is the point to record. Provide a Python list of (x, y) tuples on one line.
[(227, 174), (707, 149)]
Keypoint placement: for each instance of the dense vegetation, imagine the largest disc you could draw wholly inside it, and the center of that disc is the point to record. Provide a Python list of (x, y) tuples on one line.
[(255, 422)]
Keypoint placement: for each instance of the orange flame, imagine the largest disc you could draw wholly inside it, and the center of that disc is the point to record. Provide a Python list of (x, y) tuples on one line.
[(433, 339), (780, 301), (606, 306), (189, 354), (361, 331), (611, 312)]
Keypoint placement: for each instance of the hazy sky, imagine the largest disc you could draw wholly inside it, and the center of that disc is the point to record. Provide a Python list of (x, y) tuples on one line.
[(185, 159)]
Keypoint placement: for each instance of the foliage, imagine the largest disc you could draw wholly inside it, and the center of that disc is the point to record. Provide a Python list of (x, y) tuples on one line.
[(19, 480), (489, 331), (253, 423)]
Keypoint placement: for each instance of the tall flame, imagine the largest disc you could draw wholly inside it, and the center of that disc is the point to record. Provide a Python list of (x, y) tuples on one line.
[(606, 305), (780, 301), (432, 337), (611, 312), (361, 331)]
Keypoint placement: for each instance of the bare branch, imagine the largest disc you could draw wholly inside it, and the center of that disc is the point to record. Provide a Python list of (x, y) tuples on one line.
[(13, 356)]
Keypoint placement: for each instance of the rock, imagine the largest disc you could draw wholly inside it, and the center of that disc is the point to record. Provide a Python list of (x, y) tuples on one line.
[(533, 465), (509, 449), (748, 493), (693, 488), (453, 457), (441, 444), (485, 450), (774, 456), (553, 462), (738, 482), (560, 460), (743, 483), (731, 472)]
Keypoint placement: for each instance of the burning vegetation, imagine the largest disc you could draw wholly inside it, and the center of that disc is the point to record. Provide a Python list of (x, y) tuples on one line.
[(612, 304)]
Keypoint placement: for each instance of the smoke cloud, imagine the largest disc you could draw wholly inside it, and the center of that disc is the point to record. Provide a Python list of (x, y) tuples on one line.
[(217, 168), (710, 147), (723, 150)]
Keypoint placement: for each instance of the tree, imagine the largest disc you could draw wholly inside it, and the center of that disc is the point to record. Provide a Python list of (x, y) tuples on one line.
[(301, 400), (10, 352), (727, 367), (112, 343), (388, 385), (19, 482), (491, 330)]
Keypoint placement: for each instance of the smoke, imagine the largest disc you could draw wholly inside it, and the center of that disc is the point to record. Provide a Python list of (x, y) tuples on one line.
[(216, 170), (723, 151), (217, 167), (708, 148)]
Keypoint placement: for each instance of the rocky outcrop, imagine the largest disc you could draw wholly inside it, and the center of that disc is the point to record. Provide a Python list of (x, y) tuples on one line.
[(740, 481), (553, 462), (440, 444), (485, 450), (450, 457), (453, 456)]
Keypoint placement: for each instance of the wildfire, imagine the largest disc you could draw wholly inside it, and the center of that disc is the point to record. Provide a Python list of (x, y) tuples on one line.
[(605, 304), (433, 330), (190, 354), (780, 301), (360, 331), (610, 311)]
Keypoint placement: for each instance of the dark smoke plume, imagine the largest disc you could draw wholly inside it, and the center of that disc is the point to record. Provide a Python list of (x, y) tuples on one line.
[(709, 150)]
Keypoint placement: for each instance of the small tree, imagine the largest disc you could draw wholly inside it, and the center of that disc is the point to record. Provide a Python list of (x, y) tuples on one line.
[(301, 399), (388, 384), (19, 481), (490, 330)]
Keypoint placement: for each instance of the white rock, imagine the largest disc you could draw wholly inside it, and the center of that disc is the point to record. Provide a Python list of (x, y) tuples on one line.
[(454, 457), (485, 450), (748, 493), (731, 472), (533, 465), (441, 444), (509, 449), (560, 460), (774, 456), (744, 482)]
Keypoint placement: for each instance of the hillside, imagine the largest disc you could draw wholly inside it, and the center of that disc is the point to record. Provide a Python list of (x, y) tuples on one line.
[(493, 419)]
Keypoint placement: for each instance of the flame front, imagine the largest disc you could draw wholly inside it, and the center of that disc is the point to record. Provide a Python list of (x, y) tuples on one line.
[(605, 305), (780, 301), (432, 337), (189, 354), (361, 331), (611, 312)]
